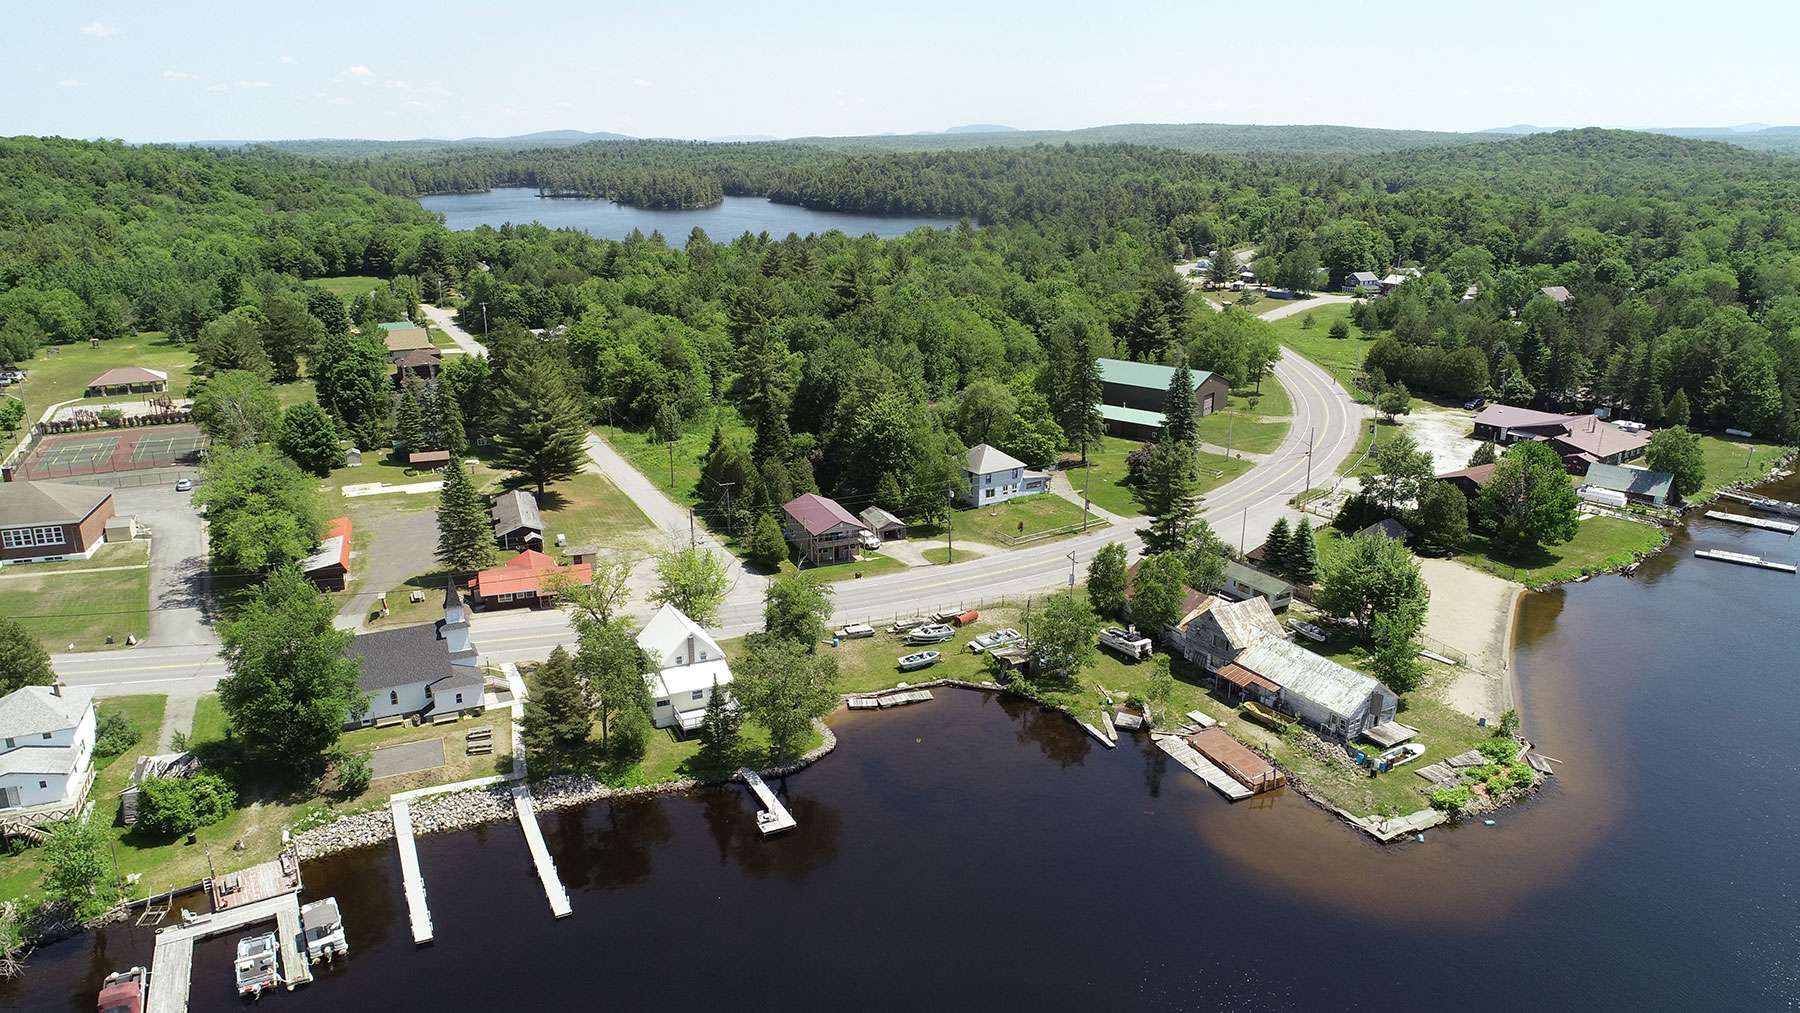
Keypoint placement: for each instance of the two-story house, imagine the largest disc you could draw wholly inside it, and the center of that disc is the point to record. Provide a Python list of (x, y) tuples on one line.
[(689, 666), (1215, 632), (820, 529), (46, 746), (995, 476)]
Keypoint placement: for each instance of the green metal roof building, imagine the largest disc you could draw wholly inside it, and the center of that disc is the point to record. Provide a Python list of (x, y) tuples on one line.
[(1132, 396)]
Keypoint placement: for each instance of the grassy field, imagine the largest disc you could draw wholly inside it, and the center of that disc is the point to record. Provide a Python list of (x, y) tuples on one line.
[(1343, 358), (62, 608), (1602, 543), (1243, 433), (652, 458), (871, 564), (347, 286), (1106, 485), (590, 510), (133, 553), (1734, 460), (1358, 463), (209, 720), (61, 372), (1002, 523)]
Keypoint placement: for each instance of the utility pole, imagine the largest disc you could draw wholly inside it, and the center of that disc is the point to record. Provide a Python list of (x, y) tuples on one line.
[(691, 542), (1230, 418), (484, 330), (1086, 503), (949, 527), (1309, 450), (730, 525), (1071, 569), (1243, 530)]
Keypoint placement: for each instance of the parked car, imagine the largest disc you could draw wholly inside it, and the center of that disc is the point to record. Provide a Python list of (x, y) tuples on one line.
[(995, 638), (868, 539), (1475, 404), (183, 484)]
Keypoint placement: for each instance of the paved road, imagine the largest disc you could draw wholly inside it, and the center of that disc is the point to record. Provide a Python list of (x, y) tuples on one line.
[(179, 583), (445, 321), (1325, 419)]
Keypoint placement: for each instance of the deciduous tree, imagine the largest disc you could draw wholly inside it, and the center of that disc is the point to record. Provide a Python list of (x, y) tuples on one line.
[(796, 607), (308, 437), (1530, 501), (613, 668), (694, 581), (235, 407), (1678, 452), (261, 510), (1106, 580), (1373, 576), (1063, 636), (1158, 591), (783, 687)]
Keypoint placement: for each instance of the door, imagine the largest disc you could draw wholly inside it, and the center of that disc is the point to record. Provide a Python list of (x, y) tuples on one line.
[(1206, 405), (9, 798)]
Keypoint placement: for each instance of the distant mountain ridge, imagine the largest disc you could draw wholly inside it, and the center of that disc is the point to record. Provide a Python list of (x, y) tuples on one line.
[(1755, 136)]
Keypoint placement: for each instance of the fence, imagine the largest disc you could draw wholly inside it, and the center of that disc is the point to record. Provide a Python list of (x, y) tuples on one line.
[(134, 479), (39, 471)]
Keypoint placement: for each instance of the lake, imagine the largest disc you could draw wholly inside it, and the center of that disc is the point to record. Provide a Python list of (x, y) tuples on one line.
[(724, 221), (980, 851)]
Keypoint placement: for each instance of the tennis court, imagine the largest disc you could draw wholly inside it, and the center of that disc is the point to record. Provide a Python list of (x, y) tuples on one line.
[(135, 449)]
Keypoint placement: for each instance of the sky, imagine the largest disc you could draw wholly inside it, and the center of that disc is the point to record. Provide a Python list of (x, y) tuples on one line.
[(183, 70)]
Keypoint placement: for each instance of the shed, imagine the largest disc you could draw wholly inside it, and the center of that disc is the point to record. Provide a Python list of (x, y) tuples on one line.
[(428, 460), (1470, 481), (886, 526), (1639, 485), (1388, 528), (1319, 691), (1242, 582), (329, 565), (517, 524)]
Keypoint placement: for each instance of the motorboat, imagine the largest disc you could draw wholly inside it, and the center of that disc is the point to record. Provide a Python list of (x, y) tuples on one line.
[(930, 633), (1127, 642), (1307, 630), (258, 960), (123, 991), (921, 659), (1406, 753), (995, 638), (323, 927)]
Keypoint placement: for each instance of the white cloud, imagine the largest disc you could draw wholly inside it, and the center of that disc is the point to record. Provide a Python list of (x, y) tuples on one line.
[(252, 84), (638, 82), (287, 59), (68, 82), (398, 85), (358, 71), (100, 29), (179, 75)]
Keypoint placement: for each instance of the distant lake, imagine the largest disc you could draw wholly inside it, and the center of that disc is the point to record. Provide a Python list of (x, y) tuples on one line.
[(723, 222)]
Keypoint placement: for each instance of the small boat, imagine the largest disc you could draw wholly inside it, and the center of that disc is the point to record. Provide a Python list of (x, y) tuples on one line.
[(931, 633), (902, 625), (1126, 642), (123, 991), (1264, 716), (855, 631), (922, 659), (1401, 754), (1307, 630), (995, 638), (324, 930), (257, 957)]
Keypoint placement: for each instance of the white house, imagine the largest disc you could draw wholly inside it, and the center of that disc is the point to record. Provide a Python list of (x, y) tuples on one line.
[(1363, 281), (424, 670), (688, 664), (995, 477), (46, 746)]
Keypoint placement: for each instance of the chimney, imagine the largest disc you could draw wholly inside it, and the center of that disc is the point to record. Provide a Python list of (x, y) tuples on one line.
[(56, 689)]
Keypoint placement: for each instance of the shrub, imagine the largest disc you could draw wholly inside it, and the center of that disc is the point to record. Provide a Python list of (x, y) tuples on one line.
[(113, 734), (353, 772), (1497, 749), (1452, 800), (179, 805)]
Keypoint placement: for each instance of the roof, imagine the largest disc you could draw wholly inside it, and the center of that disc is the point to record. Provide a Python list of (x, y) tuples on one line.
[(1310, 676), (1635, 481), (515, 510), (1387, 527), (1243, 678), (875, 517), (1505, 416), (1365, 276), (527, 571), (333, 550), (402, 341), (29, 759), (33, 710), (125, 376), (1480, 474), (400, 325), (321, 915), (1137, 416), (818, 514), (1147, 375), (23, 503), (1557, 292), (985, 460), (1598, 438), (408, 655), (1267, 583), (429, 457), (411, 358), (672, 682), (1242, 622), (1396, 279), (668, 628)]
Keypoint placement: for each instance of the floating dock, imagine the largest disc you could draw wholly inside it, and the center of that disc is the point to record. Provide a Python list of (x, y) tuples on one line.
[(1099, 735), (540, 855), (172, 967), (1203, 768), (1745, 559), (886, 700), (416, 908), (774, 818), (1765, 504), (1756, 522)]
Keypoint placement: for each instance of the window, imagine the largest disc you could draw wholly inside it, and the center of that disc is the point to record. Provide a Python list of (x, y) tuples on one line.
[(16, 538), (702, 655), (662, 703), (699, 694), (10, 743), (46, 735), (504, 597), (43, 784), (393, 698), (428, 692), (459, 698), (987, 494)]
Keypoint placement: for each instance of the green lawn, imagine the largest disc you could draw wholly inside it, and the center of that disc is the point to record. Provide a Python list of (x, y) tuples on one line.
[(1358, 463), (347, 286), (1242, 433), (1602, 543), (590, 510), (1106, 487), (61, 372), (1341, 358), (82, 609), (1004, 523), (869, 565), (941, 555), (1729, 460), (209, 721), (133, 553), (652, 458)]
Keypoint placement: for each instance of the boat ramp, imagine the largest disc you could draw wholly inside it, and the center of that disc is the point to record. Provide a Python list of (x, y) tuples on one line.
[(774, 818), (1745, 559), (1765, 523)]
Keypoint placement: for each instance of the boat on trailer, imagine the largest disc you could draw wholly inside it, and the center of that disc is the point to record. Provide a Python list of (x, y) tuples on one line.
[(124, 991)]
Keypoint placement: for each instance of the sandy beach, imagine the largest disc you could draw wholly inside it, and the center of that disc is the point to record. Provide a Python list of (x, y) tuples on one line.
[(1472, 613)]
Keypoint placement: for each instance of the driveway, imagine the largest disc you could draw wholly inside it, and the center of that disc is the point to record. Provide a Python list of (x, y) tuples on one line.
[(180, 606), (401, 544), (445, 321)]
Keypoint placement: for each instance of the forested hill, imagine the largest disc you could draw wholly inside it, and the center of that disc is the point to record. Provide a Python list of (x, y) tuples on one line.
[(1211, 138)]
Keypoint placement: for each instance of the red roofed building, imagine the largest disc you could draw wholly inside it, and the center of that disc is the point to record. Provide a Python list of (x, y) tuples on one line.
[(525, 579), (821, 529), (329, 565)]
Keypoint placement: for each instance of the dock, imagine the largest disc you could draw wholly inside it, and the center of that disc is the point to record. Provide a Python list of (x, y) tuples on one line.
[(1099, 735), (1765, 523), (1745, 559), (540, 855), (1765, 504), (885, 700), (774, 818), (416, 908), (1203, 768), (172, 966)]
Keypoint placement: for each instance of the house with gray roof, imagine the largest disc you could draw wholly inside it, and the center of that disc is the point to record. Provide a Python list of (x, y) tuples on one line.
[(1243, 583), (886, 526), (1215, 632), (1640, 485), (426, 671), (1363, 281), (1142, 388), (46, 748), (1320, 692), (995, 476), (517, 524)]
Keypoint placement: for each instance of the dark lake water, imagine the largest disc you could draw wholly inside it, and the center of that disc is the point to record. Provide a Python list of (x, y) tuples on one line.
[(723, 222), (978, 852)]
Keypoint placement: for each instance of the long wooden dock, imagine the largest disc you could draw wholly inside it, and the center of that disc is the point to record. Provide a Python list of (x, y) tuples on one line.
[(1203, 768), (1745, 559), (540, 855), (778, 818), (417, 910), (1764, 503), (1765, 523), (172, 966)]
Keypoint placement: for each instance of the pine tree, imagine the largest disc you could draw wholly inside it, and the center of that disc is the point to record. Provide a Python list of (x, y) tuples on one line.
[(719, 728), (465, 538), (558, 723), (1179, 413), (768, 547), (456, 438), (1275, 550), (1170, 499), (409, 425), (1677, 413), (1302, 554), (1484, 454), (540, 427)]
